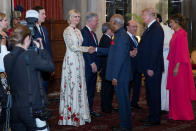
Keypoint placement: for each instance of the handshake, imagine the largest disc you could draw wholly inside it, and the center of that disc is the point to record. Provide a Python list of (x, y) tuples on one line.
[(133, 52), (91, 49)]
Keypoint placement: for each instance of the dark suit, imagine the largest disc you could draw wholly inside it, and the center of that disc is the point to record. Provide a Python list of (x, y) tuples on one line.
[(46, 44), (106, 86), (119, 68), (150, 56), (91, 78), (136, 75)]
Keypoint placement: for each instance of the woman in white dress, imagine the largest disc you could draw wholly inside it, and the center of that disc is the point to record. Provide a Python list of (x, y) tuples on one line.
[(168, 32), (74, 108)]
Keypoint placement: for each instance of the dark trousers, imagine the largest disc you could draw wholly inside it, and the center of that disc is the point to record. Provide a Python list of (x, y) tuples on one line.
[(123, 96), (136, 88), (22, 120), (45, 84), (91, 79), (2, 118), (107, 91), (153, 94)]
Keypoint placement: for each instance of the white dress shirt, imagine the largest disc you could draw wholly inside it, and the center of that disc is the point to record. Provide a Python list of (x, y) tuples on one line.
[(151, 23), (4, 52), (93, 34)]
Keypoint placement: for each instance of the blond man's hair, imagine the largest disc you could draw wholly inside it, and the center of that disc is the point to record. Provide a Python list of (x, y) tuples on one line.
[(2, 15), (150, 12)]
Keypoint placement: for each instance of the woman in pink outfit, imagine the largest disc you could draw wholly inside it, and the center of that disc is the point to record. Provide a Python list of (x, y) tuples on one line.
[(180, 78)]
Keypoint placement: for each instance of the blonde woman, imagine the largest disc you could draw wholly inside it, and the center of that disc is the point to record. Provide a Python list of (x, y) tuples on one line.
[(74, 107)]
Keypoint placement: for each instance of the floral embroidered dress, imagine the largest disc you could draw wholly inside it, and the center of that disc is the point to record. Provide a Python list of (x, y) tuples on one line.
[(74, 108)]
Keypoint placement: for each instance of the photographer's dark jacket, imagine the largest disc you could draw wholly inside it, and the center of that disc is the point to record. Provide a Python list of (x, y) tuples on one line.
[(18, 77)]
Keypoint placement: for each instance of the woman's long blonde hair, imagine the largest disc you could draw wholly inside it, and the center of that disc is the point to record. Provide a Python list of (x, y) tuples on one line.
[(2, 15), (70, 14)]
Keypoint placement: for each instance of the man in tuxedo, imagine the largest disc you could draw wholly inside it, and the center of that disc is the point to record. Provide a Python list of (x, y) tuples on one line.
[(41, 32), (131, 31), (119, 70), (91, 60), (150, 58), (106, 86)]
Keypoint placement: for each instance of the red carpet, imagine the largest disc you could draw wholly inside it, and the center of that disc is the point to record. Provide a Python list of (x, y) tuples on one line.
[(107, 121)]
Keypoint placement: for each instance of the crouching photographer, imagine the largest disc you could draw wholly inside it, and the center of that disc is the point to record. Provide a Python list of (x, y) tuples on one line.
[(23, 69)]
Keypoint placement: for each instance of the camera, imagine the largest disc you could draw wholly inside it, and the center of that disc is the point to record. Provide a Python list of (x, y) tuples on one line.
[(42, 114), (1, 37), (31, 19)]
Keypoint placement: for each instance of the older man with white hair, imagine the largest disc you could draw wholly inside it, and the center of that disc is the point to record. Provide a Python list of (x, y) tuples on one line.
[(91, 60), (119, 70), (150, 58)]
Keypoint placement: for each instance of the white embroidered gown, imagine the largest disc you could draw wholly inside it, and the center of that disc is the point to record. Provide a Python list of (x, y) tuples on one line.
[(74, 108), (168, 32)]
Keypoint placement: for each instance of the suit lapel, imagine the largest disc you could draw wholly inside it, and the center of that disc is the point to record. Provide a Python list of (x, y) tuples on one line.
[(96, 41), (89, 33), (40, 36)]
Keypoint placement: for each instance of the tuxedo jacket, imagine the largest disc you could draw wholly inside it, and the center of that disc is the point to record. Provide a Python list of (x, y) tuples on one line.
[(150, 49), (119, 60), (88, 40), (104, 43)]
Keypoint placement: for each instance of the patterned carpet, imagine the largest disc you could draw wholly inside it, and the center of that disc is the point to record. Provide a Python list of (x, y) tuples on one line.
[(107, 121)]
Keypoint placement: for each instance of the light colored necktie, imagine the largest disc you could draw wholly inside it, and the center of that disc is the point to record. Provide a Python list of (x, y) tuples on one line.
[(134, 41)]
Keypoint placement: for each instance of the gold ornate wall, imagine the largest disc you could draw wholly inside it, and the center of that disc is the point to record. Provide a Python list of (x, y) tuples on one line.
[(161, 6)]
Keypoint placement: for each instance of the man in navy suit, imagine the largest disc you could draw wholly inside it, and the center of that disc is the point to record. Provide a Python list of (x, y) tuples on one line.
[(41, 32), (119, 70), (91, 60), (150, 58), (106, 86), (131, 31)]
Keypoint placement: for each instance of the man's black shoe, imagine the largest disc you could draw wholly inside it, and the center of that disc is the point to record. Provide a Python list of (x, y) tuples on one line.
[(145, 120), (93, 114), (120, 129), (151, 123), (164, 112), (135, 107), (107, 110), (115, 109)]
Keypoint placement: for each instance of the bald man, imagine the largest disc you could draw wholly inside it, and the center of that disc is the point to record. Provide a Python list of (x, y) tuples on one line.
[(131, 31), (119, 70), (150, 58)]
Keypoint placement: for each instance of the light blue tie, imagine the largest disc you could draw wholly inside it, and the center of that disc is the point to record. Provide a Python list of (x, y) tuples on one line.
[(135, 41)]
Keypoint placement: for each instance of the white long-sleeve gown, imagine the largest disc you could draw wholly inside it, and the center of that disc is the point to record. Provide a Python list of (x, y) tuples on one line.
[(164, 92), (74, 108)]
